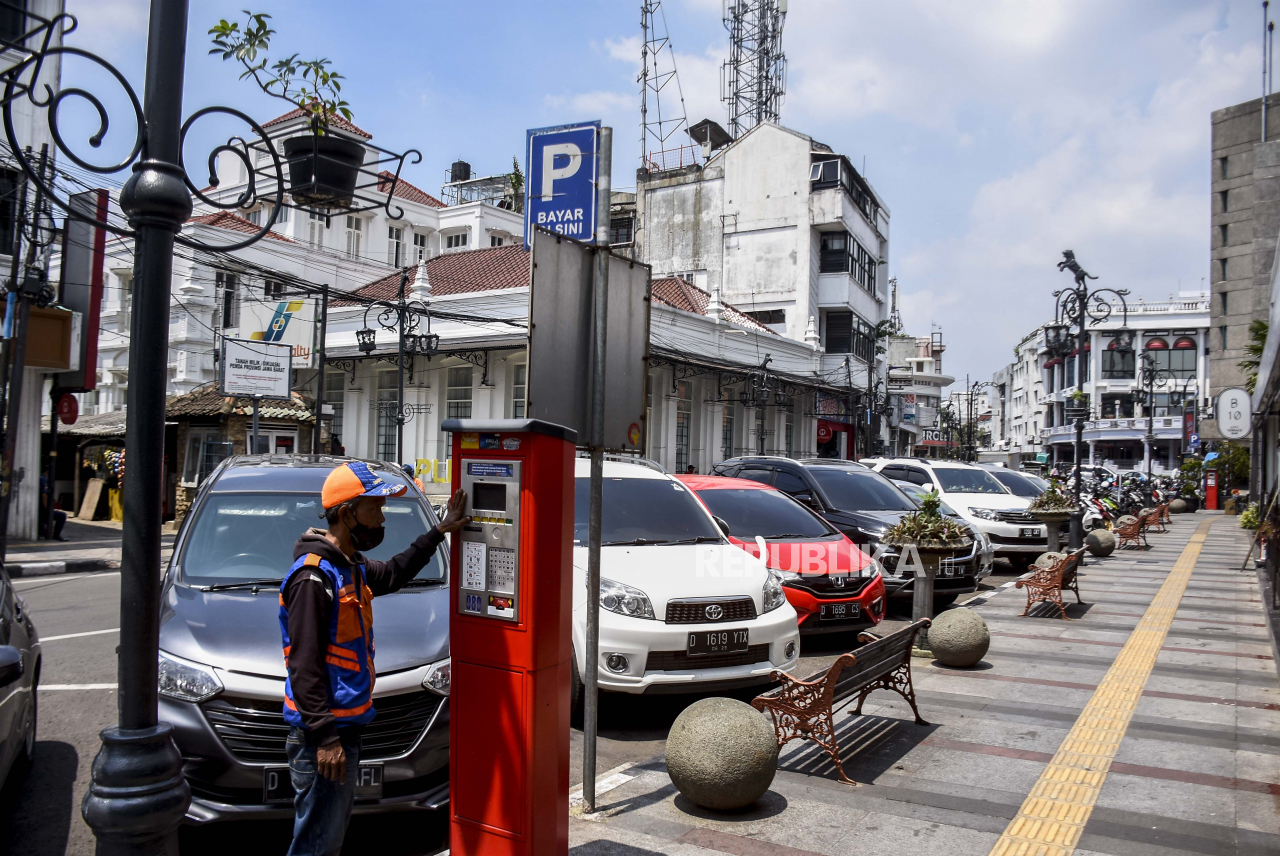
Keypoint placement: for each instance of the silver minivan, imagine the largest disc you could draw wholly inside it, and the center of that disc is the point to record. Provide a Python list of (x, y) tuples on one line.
[(222, 669)]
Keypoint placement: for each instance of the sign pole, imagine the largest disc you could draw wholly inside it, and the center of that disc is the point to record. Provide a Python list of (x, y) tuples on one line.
[(600, 316), (321, 331), (47, 522), (257, 405)]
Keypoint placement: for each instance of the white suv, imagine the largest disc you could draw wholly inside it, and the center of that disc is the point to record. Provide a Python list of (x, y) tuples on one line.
[(980, 499), (680, 609)]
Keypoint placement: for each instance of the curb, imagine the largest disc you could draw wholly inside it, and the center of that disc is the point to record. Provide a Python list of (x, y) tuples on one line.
[(74, 566)]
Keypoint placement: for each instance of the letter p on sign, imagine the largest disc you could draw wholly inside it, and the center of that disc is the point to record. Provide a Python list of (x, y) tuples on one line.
[(551, 173)]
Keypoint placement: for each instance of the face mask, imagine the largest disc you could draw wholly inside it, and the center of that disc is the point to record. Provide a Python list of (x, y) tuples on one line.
[(366, 538)]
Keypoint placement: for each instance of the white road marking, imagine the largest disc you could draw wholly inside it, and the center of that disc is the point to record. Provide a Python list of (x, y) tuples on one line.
[(605, 782), (78, 635), (67, 578), (78, 686)]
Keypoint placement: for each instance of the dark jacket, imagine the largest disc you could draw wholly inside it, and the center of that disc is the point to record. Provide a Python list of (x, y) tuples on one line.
[(309, 601)]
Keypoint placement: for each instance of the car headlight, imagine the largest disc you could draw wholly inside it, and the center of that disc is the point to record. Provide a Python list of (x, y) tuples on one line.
[(985, 513), (186, 681), (787, 576), (438, 677), (871, 570), (872, 533), (774, 597), (624, 600)]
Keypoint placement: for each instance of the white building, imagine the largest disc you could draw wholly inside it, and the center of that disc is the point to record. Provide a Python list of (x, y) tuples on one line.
[(916, 382)]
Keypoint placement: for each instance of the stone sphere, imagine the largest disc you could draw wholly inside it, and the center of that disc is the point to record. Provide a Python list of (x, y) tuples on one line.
[(1045, 560), (1146, 511), (1178, 506), (722, 754), (1100, 542), (1125, 520), (959, 637)]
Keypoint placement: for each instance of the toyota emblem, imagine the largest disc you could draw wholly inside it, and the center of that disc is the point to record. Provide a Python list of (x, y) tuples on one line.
[(715, 612)]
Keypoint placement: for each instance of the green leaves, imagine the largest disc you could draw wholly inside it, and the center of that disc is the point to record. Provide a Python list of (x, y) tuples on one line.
[(928, 526), (1053, 499)]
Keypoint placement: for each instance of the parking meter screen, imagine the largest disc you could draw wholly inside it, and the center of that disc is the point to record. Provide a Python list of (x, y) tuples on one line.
[(489, 496)]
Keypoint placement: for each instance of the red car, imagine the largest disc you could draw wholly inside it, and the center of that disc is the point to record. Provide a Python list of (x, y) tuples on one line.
[(832, 584)]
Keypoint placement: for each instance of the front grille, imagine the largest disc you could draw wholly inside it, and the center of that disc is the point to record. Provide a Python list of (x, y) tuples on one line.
[(824, 585), (694, 610), (1019, 518), (254, 730), (1042, 540), (676, 661)]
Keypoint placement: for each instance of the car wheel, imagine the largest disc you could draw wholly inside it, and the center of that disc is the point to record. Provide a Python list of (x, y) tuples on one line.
[(941, 600), (29, 745)]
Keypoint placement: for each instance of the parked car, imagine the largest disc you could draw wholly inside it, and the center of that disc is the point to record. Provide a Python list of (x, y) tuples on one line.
[(832, 585), (980, 499), (863, 505), (681, 608), (1025, 485), (221, 669), (19, 677)]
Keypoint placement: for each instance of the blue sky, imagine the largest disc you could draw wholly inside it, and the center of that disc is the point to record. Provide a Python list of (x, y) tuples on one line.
[(998, 133)]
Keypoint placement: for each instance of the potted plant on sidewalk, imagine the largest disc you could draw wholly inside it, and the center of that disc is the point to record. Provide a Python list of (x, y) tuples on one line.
[(1052, 508), (932, 537), (323, 167)]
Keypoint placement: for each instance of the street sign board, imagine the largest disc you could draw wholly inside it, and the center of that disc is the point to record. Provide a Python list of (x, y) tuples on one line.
[(287, 322), (83, 253), (256, 369), (1194, 442), (1235, 413), (559, 388), (560, 181)]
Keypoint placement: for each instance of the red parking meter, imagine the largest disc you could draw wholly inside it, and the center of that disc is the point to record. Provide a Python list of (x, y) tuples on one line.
[(1211, 490), (511, 572)]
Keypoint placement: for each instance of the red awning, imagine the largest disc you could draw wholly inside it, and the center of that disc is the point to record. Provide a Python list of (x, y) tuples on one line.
[(1056, 361), (1184, 343), (1157, 344)]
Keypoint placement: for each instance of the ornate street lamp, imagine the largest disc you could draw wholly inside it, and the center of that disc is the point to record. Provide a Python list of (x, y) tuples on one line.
[(1079, 307), (365, 340), (402, 317), (1150, 377)]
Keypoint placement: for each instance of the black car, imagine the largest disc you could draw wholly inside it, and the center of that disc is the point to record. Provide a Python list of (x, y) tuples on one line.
[(862, 504), (19, 675)]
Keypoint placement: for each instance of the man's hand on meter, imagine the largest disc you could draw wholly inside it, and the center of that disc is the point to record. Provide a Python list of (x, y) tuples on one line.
[(456, 517)]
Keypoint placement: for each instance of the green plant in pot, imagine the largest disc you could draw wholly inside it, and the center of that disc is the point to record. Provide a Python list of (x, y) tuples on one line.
[(1052, 508), (323, 167), (932, 537)]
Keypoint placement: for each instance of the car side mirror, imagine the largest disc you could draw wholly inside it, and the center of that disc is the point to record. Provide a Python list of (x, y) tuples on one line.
[(10, 665), (724, 527), (808, 499)]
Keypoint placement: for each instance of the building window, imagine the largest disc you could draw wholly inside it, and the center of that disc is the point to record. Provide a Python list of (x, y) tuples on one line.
[(769, 316), (1180, 361), (8, 200), (355, 232), (13, 22), (621, 230), (254, 216), (273, 289), (455, 242), (227, 286), (518, 378), (1223, 331), (726, 431), (457, 395), (1117, 365), (760, 432), (684, 423), (333, 396), (495, 241), (388, 399), (419, 246), (283, 216), (395, 246), (315, 229), (648, 414), (839, 332), (833, 255), (125, 277), (790, 427)]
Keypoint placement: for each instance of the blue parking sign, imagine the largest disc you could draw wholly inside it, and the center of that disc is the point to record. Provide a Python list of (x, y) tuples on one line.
[(560, 183)]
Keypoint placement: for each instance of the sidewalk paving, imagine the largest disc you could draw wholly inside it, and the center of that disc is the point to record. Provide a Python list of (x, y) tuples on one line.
[(91, 545), (1197, 769)]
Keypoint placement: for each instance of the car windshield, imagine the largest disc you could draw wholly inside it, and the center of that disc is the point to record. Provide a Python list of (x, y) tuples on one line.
[(643, 511), (767, 513), (860, 490), (249, 536), (956, 480), (1018, 484)]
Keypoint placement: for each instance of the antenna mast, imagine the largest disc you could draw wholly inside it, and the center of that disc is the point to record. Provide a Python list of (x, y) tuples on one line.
[(895, 317), (754, 77), (657, 69)]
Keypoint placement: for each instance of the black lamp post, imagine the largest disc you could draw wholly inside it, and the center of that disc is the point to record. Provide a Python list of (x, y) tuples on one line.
[(1150, 377), (402, 317), (1080, 307)]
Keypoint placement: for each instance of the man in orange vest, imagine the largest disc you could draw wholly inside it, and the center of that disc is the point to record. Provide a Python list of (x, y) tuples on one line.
[(326, 624)]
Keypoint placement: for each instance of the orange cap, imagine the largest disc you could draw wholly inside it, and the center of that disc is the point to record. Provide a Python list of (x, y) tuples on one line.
[(355, 479)]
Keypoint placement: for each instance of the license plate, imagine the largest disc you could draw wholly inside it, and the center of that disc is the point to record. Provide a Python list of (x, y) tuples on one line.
[(1029, 532), (947, 570), (277, 787), (838, 612), (717, 642)]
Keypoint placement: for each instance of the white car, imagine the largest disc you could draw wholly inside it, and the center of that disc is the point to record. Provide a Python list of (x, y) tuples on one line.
[(681, 608), (980, 499)]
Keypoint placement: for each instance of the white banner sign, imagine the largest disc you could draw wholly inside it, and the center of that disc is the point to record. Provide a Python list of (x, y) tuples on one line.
[(257, 369), (286, 322), (1235, 413)]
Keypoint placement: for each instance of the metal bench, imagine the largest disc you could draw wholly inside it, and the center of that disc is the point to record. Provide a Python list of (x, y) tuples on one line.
[(1134, 533), (803, 708), (1047, 584)]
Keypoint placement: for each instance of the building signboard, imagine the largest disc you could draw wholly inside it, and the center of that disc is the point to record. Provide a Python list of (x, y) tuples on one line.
[(1235, 413), (256, 369), (560, 188), (286, 322)]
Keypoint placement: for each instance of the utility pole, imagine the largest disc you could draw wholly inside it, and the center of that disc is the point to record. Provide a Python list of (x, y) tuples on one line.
[(318, 350)]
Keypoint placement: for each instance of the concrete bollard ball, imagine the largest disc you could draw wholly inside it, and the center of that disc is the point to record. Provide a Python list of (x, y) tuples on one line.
[(1125, 520), (1178, 506), (722, 754), (1045, 560), (959, 637), (1100, 542)]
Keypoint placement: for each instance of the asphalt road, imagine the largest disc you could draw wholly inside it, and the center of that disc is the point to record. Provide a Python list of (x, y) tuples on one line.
[(40, 816)]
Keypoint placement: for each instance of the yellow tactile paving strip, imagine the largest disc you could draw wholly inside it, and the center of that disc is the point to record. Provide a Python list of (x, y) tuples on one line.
[(1052, 819)]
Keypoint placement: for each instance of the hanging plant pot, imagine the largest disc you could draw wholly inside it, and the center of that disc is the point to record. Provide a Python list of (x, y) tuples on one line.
[(323, 170)]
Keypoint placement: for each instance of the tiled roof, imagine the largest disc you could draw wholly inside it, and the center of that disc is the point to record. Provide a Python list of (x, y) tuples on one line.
[(91, 425), (488, 269), (335, 121), (405, 190), (679, 294), (209, 401), (236, 223)]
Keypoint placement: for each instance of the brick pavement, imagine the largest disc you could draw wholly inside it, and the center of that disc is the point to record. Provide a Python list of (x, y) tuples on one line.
[(1195, 769)]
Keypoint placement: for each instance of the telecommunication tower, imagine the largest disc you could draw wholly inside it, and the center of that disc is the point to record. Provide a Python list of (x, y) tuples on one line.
[(657, 69), (754, 77)]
